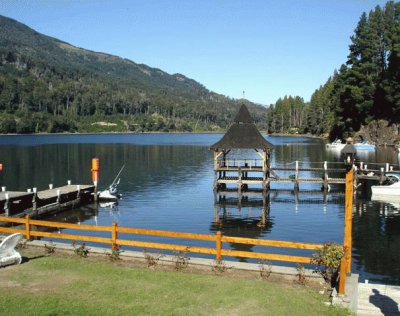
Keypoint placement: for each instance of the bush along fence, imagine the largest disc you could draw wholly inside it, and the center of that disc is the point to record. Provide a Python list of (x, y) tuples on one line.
[(32, 228)]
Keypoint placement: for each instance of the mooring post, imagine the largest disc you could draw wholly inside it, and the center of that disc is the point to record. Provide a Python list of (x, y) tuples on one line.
[(3, 189), (78, 188), (382, 175), (95, 175), (239, 180), (387, 167), (50, 186), (326, 187), (34, 199), (296, 176), (7, 205)]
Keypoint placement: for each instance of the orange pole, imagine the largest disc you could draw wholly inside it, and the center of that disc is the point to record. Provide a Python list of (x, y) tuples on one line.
[(114, 235), (348, 218), (27, 228), (219, 246), (345, 265), (95, 175), (95, 169)]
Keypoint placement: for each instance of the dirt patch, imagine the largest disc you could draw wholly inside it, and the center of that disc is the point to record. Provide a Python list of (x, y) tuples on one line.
[(104, 124)]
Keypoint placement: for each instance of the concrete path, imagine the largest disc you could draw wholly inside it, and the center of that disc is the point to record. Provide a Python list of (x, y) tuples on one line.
[(378, 299)]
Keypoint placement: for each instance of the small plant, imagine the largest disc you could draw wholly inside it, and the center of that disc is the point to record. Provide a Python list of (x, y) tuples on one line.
[(219, 267), (151, 259), (115, 254), (181, 260), (301, 274), (328, 260), (82, 251), (265, 269), (49, 248)]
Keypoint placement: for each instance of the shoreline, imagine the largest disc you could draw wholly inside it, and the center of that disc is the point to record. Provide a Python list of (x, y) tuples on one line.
[(172, 133)]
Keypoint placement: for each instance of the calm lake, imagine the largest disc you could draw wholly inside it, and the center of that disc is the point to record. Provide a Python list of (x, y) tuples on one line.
[(167, 184)]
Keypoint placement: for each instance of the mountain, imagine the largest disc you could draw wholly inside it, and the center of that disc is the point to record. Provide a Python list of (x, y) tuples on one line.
[(47, 85)]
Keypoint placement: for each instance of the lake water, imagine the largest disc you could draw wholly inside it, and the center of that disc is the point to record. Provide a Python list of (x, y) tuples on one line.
[(167, 184)]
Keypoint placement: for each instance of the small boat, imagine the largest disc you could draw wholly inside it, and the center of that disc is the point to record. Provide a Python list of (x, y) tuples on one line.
[(111, 194), (391, 187), (336, 145), (364, 146)]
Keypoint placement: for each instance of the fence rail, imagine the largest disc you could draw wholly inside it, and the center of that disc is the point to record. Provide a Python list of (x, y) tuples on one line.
[(114, 241)]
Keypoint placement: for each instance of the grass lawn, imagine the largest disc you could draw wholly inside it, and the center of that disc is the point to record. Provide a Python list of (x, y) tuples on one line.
[(65, 284)]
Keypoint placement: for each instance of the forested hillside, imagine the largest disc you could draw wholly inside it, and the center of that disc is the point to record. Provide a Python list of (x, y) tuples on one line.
[(47, 85), (365, 89)]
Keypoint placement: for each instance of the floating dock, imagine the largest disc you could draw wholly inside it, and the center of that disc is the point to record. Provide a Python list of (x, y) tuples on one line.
[(38, 203)]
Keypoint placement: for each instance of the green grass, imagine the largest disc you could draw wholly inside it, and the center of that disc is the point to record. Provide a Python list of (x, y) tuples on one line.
[(69, 285)]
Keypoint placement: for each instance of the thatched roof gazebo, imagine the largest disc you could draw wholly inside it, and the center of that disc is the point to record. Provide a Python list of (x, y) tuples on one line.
[(242, 134)]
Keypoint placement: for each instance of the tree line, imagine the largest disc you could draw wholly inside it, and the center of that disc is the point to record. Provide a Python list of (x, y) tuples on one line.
[(364, 89)]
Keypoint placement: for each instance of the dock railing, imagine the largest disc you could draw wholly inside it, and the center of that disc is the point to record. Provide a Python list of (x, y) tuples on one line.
[(115, 241)]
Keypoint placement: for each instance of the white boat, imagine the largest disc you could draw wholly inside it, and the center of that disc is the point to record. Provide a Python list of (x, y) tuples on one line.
[(391, 187), (111, 194), (336, 145), (364, 146), (107, 195)]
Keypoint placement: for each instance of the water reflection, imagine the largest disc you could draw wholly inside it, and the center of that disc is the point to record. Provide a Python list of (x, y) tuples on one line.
[(145, 166), (242, 217), (376, 240)]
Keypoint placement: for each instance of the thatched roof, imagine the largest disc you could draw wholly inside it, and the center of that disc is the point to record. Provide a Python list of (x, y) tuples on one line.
[(242, 134)]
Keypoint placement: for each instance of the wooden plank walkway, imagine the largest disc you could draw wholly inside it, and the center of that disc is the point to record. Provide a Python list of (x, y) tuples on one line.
[(13, 203), (378, 299), (66, 189)]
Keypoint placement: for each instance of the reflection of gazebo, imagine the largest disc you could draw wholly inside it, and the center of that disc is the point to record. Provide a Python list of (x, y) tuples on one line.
[(235, 225), (242, 134)]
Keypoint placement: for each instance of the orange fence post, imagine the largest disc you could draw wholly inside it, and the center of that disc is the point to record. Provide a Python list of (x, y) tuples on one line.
[(27, 228), (114, 235), (342, 275), (348, 218), (219, 246), (345, 264)]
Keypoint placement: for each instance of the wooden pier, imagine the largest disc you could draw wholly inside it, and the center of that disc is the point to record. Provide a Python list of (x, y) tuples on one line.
[(38, 203), (252, 177)]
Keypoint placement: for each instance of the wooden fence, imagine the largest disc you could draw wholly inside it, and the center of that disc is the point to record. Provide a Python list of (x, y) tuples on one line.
[(114, 230)]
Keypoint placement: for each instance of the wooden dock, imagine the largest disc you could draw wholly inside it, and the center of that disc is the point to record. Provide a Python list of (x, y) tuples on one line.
[(37, 203), (246, 173)]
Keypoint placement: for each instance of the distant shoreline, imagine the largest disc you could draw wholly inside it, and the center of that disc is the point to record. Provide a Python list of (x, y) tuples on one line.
[(172, 133)]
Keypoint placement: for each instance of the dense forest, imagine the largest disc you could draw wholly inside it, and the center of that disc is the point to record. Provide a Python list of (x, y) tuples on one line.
[(366, 88), (47, 85)]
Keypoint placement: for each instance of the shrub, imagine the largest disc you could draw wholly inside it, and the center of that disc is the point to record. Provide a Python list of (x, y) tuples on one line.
[(328, 260)]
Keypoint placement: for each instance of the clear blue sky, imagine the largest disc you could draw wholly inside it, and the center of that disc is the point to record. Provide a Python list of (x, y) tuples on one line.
[(267, 48)]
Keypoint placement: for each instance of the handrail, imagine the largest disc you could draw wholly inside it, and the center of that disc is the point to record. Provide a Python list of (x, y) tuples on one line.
[(218, 250)]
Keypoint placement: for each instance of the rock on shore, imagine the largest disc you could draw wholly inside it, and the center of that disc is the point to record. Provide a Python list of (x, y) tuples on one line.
[(380, 132)]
